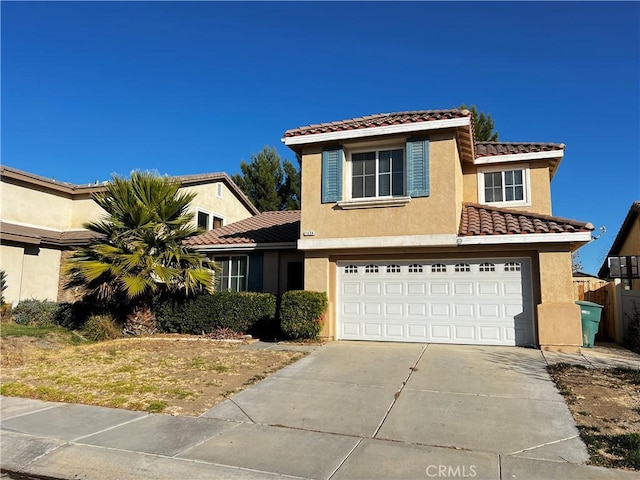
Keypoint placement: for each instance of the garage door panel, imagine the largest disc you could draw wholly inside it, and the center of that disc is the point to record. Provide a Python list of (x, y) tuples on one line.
[(394, 309), (417, 332), (393, 288), (394, 331), (414, 288), (372, 309), (488, 288), (417, 309), (489, 312), (439, 310), (463, 288), (439, 288), (372, 288), (465, 333), (461, 310), (444, 301), (351, 288)]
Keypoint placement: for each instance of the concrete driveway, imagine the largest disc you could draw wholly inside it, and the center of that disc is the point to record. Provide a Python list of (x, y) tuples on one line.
[(347, 411)]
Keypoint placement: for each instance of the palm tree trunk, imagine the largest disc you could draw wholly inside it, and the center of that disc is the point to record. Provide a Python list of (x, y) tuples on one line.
[(140, 322)]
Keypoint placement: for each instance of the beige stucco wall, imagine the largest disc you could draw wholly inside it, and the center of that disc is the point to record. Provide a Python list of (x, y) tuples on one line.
[(227, 206), (436, 214), (539, 181), (84, 209), (631, 245), (32, 272), (11, 262), (35, 207), (559, 319)]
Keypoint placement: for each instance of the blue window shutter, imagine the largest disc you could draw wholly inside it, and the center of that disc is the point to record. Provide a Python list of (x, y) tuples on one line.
[(254, 282), (418, 168), (331, 176)]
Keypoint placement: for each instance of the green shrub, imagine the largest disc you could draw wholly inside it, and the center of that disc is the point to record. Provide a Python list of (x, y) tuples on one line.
[(72, 315), (238, 311), (34, 312), (302, 313), (101, 327)]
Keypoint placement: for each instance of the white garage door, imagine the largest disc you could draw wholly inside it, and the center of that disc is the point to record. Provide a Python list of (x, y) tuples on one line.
[(485, 302)]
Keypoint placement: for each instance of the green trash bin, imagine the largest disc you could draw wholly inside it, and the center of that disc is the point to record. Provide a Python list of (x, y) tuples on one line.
[(590, 313)]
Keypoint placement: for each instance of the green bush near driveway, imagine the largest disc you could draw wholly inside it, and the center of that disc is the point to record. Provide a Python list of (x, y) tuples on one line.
[(302, 313), (239, 311)]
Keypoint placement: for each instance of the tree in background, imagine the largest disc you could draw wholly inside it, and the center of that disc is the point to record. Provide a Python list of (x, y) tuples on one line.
[(138, 252), (482, 124), (576, 262), (269, 183)]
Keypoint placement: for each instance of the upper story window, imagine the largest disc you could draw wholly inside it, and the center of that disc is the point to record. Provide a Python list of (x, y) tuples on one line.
[(378, 173), (504, 187), (208, 221)]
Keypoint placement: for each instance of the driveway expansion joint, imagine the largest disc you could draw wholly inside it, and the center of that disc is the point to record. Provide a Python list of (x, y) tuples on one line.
[(543, 445)]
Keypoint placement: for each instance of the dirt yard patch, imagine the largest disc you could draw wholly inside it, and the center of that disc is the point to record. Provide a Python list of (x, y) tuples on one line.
[(179, 376), (605, 404)]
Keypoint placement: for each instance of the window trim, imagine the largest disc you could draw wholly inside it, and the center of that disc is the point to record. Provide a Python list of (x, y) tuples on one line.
[(210, 221), (526, 183), (228, 258), (387, 200)]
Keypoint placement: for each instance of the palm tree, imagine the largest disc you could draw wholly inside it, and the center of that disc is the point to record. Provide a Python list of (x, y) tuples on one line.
[(138, 252)]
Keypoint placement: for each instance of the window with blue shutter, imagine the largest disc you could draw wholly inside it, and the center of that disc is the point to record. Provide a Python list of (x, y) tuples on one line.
[(332, 176), (418, 168)]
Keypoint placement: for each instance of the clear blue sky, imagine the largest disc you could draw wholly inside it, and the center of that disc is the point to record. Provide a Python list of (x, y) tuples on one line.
[(92, 88)]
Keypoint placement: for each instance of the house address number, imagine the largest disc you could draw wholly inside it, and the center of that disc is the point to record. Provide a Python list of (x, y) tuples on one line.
[(309, 233)]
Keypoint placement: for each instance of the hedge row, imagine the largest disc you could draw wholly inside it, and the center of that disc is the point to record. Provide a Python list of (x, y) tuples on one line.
[(241, 312), (301, 313)]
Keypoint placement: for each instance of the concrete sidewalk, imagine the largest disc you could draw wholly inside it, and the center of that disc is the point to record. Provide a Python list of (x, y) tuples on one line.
[(346, 411)]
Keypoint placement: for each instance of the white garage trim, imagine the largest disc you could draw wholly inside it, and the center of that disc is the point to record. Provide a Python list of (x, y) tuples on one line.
[(465, 301)]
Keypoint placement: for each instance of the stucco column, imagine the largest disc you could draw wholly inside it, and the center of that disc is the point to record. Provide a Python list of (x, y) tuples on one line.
[(317, 278), (559, 321)]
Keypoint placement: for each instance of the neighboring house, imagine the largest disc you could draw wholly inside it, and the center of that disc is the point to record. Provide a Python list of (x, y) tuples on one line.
[(257, 254), (41, 222), (622, 268), (420, 234)]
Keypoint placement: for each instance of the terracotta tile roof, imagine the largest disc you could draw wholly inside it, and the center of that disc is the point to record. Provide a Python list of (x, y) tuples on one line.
[(485, 220), (36, 236), (489, 149), (378, 120), (266, 227)]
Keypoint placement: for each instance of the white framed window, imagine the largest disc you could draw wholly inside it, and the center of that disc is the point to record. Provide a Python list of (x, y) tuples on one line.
[(232, 273), (506, 186), (377, 173), (462, 267), (371, 269), (512, 267), (487, 267), (438, 268), (208, 220), (351, 269), (393, 268), (415, 268)]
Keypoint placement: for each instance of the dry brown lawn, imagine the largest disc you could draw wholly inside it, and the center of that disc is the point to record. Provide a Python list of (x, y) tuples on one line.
[(172, 374)]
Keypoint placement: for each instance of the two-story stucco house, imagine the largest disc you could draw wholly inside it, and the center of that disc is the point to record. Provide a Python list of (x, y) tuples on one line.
[(41, 221), (418, 233)]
